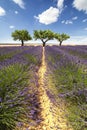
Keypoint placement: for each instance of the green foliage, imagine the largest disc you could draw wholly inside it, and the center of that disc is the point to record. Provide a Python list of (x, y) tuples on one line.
[(81, 55), (68, 76), (6, 56), (53, 59), (71, 84), (43, 35), (31, 58), (21, 35), (68, 84), (61, 37), (13, 81)]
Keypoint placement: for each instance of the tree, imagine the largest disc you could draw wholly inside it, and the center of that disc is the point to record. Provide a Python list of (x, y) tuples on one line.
[(43, 35), (21, 35), (61, 37)]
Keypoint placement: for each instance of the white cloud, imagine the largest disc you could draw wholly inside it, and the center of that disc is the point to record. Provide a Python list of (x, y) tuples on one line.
[(75, 18), (49, 16), (60, 4), (84, 20), (67, 22), (11, 27), (20, 3), (63, 21), (76, 40), (80, 5), (16, 12), (85, 29), (2, 11), (83, 41)]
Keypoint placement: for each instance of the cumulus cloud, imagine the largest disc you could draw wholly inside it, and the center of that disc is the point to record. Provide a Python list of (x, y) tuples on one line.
[(60, 4), (75, 18), (63, 21), (2, 11), (67, 22), (80, 5), (84, 20), (51, 15), (85, 29), (20, 3), (16, 12), (11, 27)]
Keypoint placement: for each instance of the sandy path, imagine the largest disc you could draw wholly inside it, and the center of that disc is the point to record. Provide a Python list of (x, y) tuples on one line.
[(48, 120), (53, 115)]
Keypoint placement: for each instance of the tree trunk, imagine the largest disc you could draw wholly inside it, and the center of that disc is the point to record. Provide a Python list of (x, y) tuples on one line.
[(44, 44), (22, 43), (60, 43)]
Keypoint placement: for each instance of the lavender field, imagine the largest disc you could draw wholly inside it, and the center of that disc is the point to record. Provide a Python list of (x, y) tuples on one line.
[(43, 88)]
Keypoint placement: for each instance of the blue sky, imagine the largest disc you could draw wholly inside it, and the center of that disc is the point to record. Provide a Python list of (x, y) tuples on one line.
[(62, 16)]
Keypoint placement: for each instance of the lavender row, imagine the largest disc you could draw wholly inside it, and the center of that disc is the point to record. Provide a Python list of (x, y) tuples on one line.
[(59, 57), (19, 104), (9, 52), (6, 50), (18, 97), (69, 75), (73, 58), (21, 57), (67, 83), (80, 51)]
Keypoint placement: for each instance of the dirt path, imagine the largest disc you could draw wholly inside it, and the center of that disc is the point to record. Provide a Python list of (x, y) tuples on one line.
[(53, 116), (48, 120)]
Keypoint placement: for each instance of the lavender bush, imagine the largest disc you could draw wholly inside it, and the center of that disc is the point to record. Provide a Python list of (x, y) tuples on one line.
[(69, 76), (21, 57), (18, 100)]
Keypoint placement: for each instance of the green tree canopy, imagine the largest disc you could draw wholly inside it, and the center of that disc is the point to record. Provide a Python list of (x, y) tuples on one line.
[(21, 35), (43, 35), (61, 37)]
